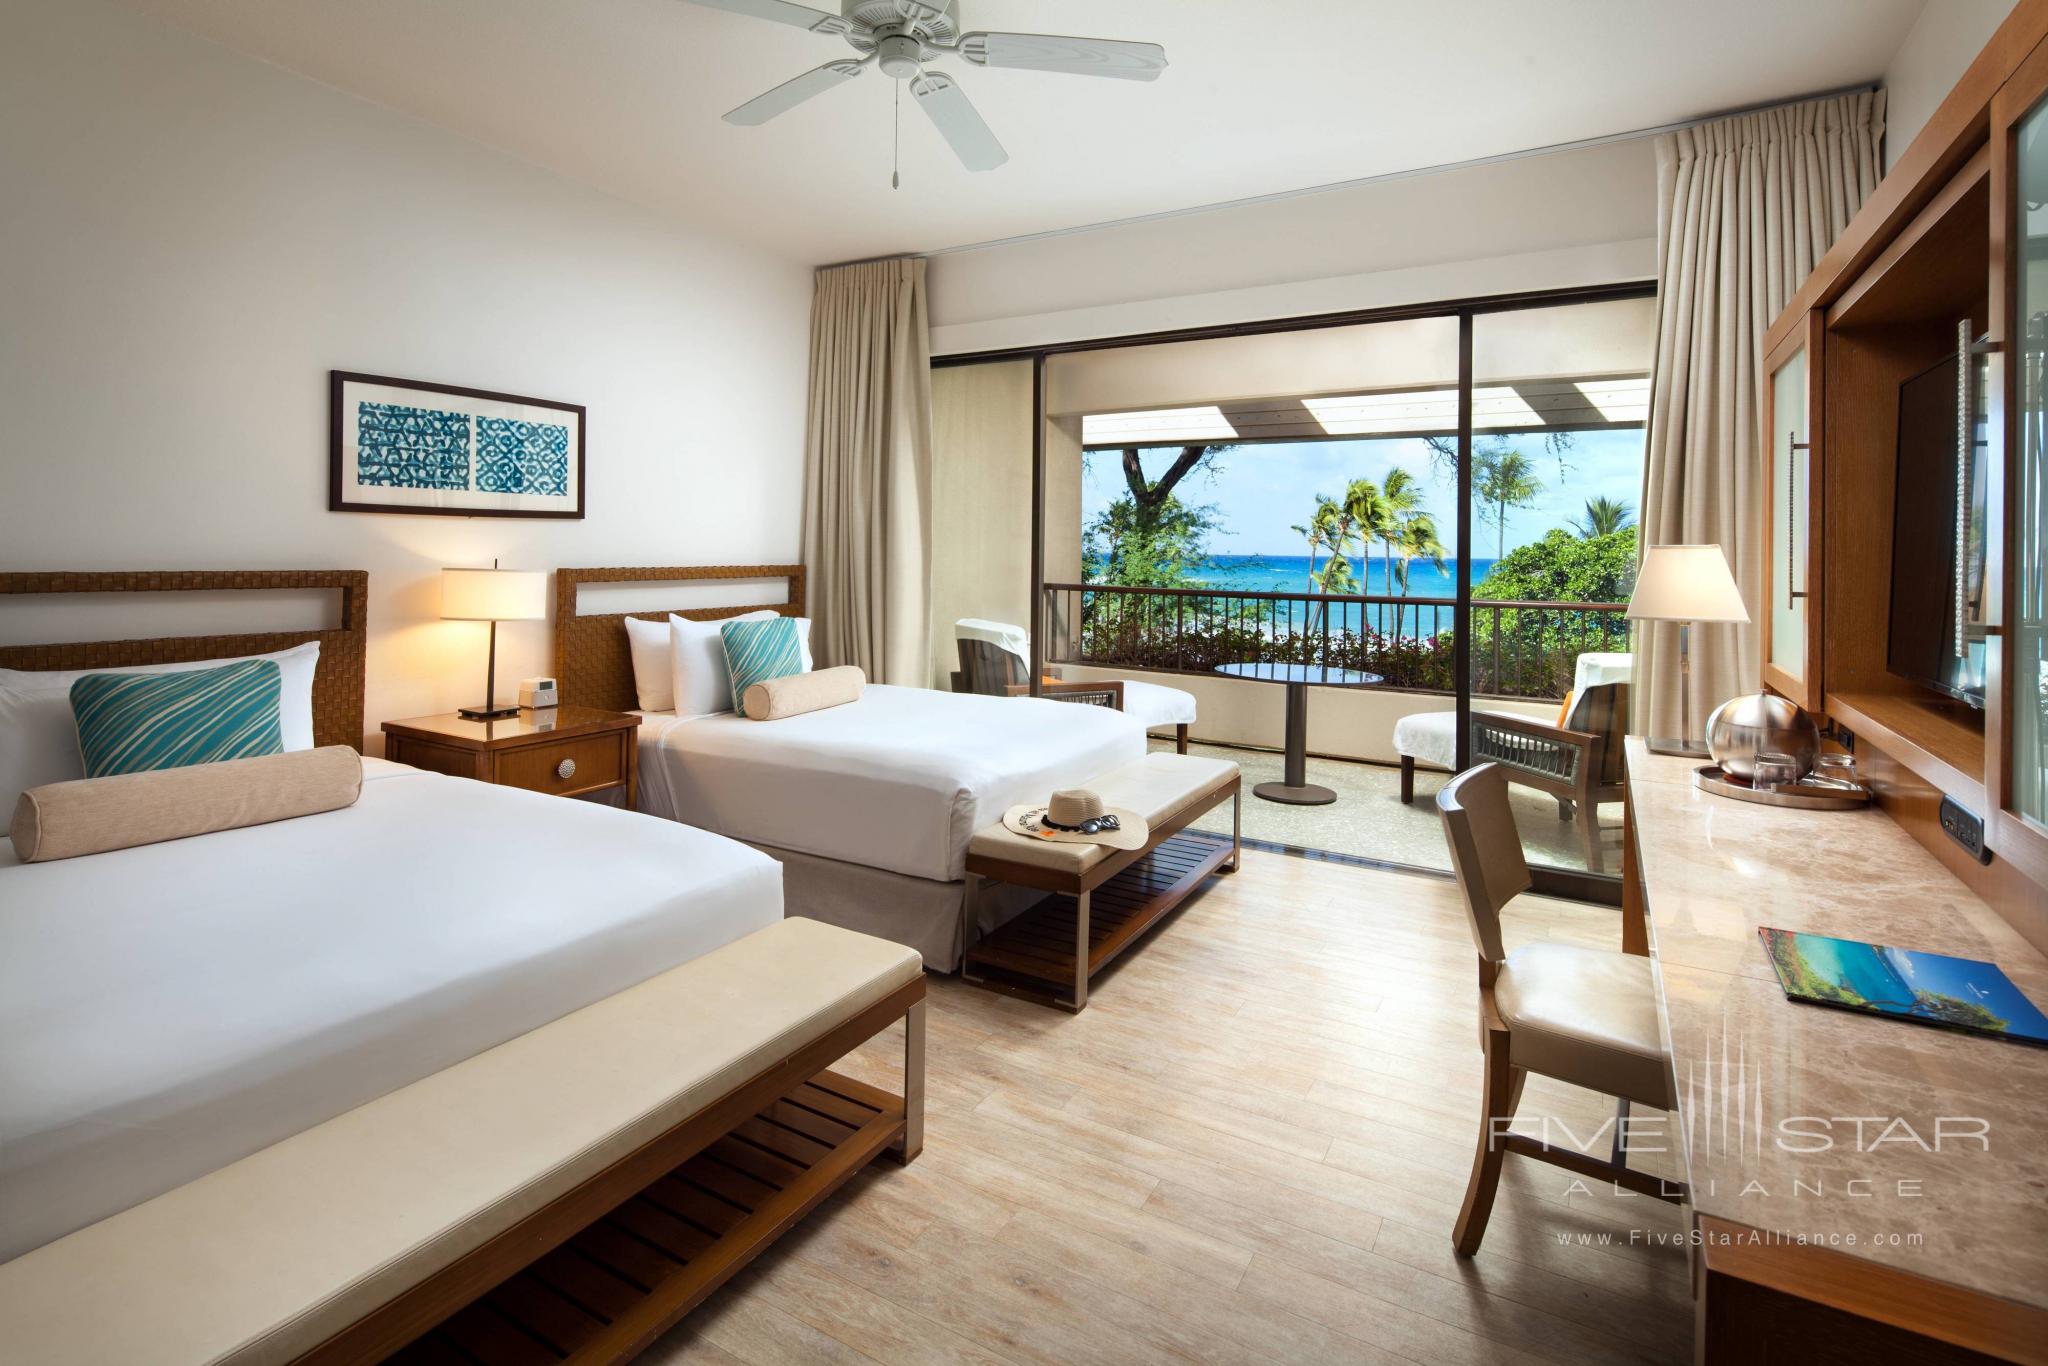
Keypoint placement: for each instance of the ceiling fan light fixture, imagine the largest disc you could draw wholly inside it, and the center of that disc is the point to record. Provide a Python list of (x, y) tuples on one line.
[(901, 36), (900, 56)]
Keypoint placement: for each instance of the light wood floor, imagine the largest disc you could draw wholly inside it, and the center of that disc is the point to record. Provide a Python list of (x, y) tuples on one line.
[(1250, 1147)]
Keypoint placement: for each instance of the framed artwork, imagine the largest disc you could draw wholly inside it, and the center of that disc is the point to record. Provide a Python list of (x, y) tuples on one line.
[(397, 445)]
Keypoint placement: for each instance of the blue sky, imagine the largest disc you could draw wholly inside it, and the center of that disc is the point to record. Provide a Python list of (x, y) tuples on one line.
[(1261, 491)]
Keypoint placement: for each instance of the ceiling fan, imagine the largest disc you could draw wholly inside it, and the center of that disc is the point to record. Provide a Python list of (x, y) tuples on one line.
[(900, 36)]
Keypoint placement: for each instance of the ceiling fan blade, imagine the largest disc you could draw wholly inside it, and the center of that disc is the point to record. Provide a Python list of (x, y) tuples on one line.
[(790, 94), (1080, 56), (782, 12), (956, 119)]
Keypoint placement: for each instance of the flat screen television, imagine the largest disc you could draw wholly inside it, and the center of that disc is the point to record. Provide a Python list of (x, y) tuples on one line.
[(1936, 635)]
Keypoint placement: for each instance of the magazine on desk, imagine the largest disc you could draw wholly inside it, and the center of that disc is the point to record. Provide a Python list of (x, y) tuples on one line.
[(1906, 984)]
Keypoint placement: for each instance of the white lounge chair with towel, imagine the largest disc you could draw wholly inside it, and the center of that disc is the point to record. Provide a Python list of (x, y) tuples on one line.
[(995, 658)]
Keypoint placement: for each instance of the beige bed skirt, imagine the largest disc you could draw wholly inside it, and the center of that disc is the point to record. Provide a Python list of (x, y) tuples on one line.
[(915, 911)]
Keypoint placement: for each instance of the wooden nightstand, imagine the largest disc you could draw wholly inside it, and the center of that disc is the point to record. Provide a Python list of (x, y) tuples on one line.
[(567, 751)]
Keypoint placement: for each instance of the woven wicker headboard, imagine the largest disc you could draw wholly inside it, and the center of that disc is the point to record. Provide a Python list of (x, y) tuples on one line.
[(593, 667), (337, 681)]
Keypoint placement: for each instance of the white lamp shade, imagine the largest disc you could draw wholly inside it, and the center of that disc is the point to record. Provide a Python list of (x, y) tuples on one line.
[(1686, 583), (494, 594)]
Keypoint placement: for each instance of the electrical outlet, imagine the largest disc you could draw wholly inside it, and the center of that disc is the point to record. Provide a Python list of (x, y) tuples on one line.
[(1965, 827)]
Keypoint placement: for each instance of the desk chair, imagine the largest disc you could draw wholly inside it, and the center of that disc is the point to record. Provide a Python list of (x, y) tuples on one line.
[(1583, 1016)]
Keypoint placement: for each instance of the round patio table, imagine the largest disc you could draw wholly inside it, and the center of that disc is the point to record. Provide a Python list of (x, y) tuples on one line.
[(1295, 789)]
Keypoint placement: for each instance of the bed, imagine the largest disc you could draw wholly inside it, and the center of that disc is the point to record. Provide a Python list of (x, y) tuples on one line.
[(868, 806), (168, 1009)]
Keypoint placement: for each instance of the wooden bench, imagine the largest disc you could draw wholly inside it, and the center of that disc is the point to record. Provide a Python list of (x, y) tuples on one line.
[(571, 1193), (1103, 898)]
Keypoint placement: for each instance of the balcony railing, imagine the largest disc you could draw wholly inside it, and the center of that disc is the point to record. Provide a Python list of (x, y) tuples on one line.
[(1519, 649)]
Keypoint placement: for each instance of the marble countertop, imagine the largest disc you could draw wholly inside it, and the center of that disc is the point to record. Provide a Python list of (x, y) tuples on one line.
[(1921, 1148)]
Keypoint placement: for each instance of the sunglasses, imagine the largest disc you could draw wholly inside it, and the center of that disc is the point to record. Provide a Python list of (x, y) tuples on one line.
[(1093, 826)]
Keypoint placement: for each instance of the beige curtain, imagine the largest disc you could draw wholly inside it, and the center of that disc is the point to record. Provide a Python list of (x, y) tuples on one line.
[(868, 471), (1745, 207)]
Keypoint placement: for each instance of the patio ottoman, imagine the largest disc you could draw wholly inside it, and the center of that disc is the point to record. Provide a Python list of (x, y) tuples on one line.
[(1432, 737), (1155, 705)]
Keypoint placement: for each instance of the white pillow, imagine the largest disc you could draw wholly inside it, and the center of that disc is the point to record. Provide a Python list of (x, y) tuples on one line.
[(39, 735), (703, 684), (653, 673)]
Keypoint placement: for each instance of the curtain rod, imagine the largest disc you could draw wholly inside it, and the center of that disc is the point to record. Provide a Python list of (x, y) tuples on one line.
[(1281, 196)]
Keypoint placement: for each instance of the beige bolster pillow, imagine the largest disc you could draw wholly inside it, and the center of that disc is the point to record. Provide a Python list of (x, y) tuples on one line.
[(93, 815), (799, 693)]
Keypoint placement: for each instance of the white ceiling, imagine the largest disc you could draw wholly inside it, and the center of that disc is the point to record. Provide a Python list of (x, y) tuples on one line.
[(1261, 97)]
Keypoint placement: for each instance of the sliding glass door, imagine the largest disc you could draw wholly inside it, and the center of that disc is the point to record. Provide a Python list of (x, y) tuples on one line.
[(1429, 517), (1560, 396)]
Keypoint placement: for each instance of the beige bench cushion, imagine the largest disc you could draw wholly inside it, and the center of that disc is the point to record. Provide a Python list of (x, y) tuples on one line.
[(1586, 1016), (1157, 787), (274, 1254)]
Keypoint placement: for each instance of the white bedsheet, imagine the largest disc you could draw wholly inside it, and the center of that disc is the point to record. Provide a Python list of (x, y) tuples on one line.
[(169, 1009), (899, 780)]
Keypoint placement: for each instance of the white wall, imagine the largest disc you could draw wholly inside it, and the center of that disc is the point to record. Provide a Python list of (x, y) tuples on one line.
[(981, 500), (1541, 222), (1937, 50), (190, 240)]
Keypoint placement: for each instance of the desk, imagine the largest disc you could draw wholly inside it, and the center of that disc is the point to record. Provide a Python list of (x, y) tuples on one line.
[(1294, 788), (1953, 1244)]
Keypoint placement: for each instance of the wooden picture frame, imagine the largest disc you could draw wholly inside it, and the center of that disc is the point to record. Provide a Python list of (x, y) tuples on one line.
[(461, 453)]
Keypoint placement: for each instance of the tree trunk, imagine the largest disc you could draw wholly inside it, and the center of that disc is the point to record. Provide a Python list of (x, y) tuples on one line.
[(1149, 497)]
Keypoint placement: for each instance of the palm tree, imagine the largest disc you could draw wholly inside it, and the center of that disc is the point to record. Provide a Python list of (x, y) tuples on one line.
[(1314, 536), (1506, 480), (1604, 517), (1418, 540), (1401, 496), (1339, 530), (1365, 514), (1335, 531)]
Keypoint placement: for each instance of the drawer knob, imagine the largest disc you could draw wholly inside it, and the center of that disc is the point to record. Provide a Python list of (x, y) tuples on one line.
[(566, 769)]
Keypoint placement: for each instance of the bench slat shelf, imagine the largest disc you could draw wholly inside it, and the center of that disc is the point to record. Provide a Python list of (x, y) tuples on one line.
[(634, 1272), (1040, 943)]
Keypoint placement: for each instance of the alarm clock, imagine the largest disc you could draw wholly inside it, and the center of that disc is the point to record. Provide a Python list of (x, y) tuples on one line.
[(537, 693)]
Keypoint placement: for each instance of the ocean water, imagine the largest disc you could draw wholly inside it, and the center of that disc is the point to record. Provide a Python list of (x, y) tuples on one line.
[(1289, 574)]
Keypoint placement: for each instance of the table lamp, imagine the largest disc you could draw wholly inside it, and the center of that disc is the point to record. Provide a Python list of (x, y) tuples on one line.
[(493, 595), (1685, 584)]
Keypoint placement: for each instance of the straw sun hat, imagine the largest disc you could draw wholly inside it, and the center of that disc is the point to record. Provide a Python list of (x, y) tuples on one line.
[(1068, 815)]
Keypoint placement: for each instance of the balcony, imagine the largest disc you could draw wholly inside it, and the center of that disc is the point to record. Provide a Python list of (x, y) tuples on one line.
[(1523, 658), (1521, 651)]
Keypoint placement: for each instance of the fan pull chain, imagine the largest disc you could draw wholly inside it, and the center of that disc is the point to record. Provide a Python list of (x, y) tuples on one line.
[(896, 142)]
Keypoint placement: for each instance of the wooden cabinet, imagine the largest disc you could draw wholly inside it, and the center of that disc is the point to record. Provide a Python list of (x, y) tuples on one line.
[(1917, 623), (1793, 564), (2016, 672)]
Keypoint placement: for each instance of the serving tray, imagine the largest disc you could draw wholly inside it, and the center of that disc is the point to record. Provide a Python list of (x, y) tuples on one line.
[(1808, 794)]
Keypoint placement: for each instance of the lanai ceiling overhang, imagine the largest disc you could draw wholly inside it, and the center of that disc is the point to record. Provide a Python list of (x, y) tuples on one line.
[(1550, 404)]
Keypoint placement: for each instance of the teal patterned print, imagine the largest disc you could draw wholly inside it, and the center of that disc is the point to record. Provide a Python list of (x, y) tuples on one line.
[(129, 723), (756, 651)]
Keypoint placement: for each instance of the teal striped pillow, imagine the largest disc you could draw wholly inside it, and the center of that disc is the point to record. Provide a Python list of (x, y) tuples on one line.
[(130, 723), (756, 651)]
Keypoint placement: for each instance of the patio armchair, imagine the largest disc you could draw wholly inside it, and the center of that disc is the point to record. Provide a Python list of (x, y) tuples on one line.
[(997, 670), (1108, 693), (987, 668), (991, 670), (1579, 762)]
